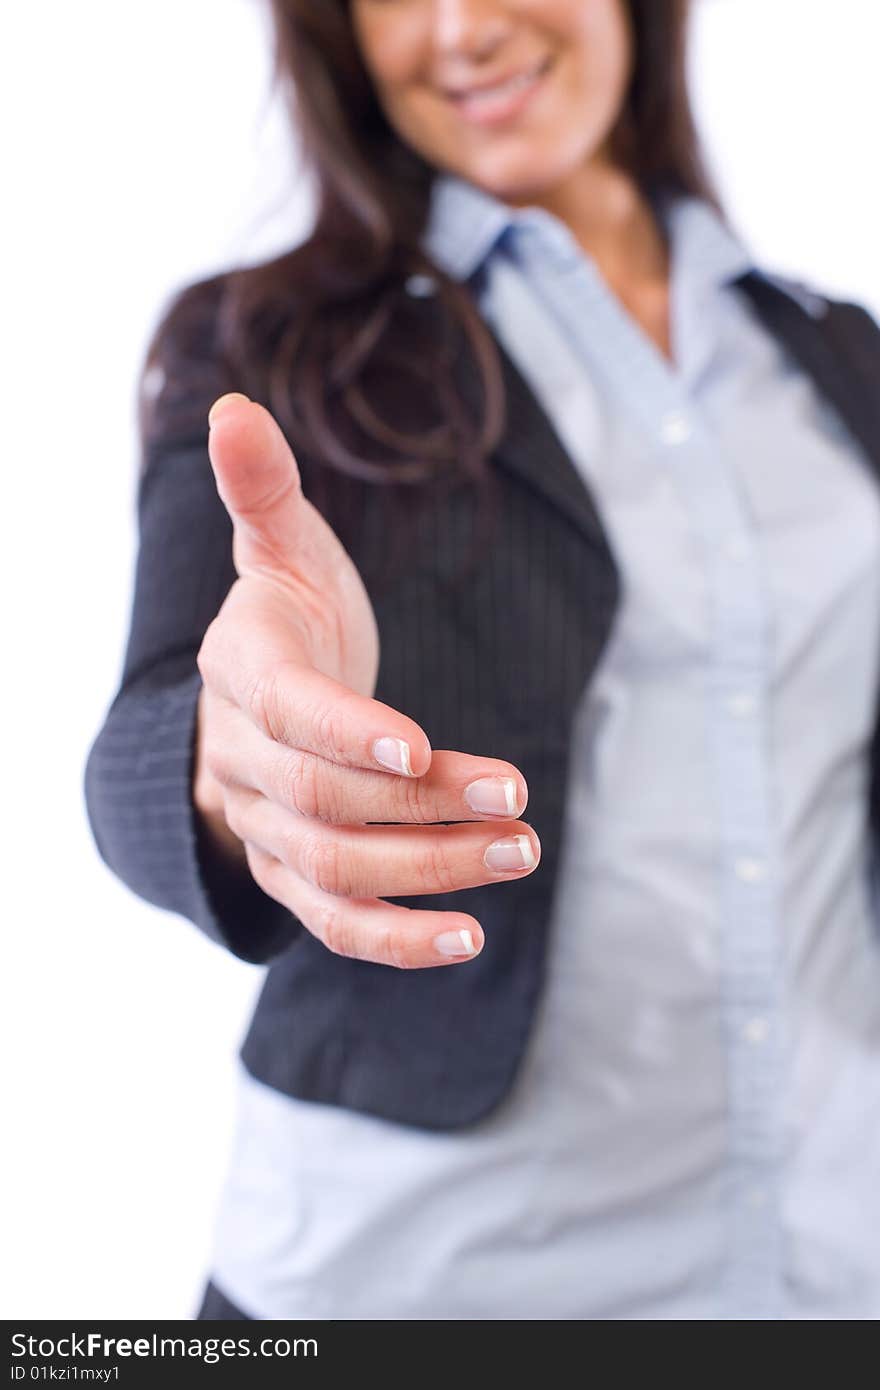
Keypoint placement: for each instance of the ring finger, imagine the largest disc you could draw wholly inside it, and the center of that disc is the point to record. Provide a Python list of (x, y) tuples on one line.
[(384, 860)]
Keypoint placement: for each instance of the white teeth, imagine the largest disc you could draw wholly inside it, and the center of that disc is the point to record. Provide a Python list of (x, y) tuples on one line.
[(490, 94)]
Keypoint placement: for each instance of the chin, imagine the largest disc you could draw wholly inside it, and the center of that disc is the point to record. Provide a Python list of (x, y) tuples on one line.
[(515, 180)]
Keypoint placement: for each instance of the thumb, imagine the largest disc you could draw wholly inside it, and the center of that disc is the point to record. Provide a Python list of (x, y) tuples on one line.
[(259, 483)]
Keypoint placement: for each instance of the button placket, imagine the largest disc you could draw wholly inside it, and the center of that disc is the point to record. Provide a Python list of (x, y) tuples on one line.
[(675, 427), (750, 954)]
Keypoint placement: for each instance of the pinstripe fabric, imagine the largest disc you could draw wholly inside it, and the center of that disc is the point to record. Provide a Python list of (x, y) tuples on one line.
[(497, 669)]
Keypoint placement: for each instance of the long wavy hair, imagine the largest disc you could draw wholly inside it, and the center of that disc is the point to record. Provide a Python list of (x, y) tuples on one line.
[(326, 334)]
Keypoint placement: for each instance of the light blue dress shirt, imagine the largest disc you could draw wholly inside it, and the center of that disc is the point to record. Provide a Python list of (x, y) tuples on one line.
[(695, 1129)]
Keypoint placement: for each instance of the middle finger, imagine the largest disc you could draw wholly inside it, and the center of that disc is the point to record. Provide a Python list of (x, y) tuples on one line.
[(456, 787)]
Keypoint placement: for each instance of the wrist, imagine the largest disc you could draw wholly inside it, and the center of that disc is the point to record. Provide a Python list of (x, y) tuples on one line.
[(208, 800)]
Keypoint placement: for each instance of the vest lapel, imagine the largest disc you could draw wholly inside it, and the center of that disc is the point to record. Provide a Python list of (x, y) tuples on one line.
[(531, 449), (840, 350)]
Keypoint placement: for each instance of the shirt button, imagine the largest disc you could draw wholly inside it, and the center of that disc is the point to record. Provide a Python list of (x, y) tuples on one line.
[(756, 1030), (749, 870), (675, 427), (420, 286), (742, 705)]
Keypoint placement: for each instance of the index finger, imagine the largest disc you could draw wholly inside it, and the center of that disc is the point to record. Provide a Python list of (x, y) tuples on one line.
[(296, 705)]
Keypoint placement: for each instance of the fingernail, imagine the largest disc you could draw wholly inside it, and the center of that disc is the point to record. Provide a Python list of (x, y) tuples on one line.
[(455, 943), (513, 852), (220, 405), (494, 796), (393, 753)]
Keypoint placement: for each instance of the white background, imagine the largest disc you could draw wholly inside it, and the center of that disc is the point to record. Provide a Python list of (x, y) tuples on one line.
[(144, 150)]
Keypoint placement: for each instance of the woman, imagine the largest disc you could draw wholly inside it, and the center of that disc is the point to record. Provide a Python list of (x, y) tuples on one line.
[(588, 517)]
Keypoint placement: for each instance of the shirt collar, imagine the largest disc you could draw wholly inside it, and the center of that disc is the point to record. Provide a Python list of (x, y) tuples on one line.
[(702, 243), (465, 225)]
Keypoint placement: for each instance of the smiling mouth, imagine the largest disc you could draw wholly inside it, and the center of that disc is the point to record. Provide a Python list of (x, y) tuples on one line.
[(487, 105)]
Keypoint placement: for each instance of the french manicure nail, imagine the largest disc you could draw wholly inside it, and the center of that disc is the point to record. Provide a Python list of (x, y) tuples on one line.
[(513, 852), (493, 796), (393, 753), (455, 943), (220, 404)]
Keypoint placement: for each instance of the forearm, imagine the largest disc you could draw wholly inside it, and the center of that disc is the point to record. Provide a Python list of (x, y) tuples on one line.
[(139, 795), (157, 821)]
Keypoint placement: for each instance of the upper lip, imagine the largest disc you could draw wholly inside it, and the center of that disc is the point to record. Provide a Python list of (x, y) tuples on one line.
[(499, 81)]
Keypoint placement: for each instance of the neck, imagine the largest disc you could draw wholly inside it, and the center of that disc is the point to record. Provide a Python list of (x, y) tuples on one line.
[(613, 221)]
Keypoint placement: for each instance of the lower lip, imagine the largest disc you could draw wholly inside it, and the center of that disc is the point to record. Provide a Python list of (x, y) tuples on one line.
[(496, 110)]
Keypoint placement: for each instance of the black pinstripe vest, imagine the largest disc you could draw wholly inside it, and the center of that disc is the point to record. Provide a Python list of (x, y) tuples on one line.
[(498, 669)]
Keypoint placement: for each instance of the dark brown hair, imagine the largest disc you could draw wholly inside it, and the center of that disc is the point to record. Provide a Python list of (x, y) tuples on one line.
[(326, 334)]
